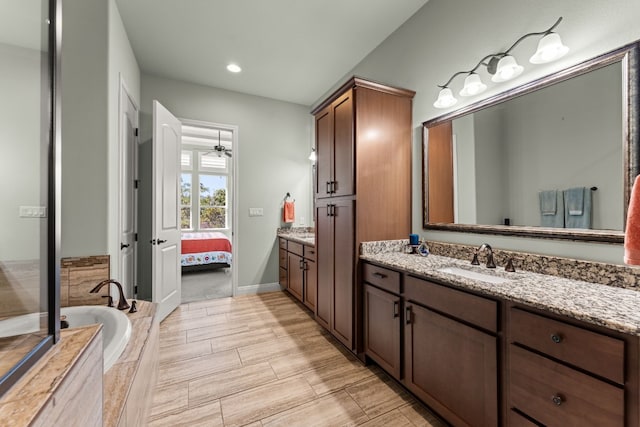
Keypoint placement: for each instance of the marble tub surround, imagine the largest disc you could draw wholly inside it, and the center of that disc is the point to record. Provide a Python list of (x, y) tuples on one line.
[(130, 381), (78, 275), (612, 307), (620, 276), (63, 388), (304, 235)]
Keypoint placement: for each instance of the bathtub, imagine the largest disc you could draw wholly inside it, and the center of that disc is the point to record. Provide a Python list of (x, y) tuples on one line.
[(116, 327)]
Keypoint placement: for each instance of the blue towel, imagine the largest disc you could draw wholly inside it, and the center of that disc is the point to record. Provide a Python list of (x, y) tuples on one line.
[(551, 208), (577, 207)]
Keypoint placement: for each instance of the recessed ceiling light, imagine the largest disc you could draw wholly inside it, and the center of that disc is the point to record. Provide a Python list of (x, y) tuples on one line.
[(234, 68)]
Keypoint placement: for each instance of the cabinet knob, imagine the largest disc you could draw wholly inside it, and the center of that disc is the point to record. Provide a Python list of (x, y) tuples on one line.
[(556, 338), (557, 399)]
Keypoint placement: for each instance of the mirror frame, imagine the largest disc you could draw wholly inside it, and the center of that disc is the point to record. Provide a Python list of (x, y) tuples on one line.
[(628, 56), (50, 107)]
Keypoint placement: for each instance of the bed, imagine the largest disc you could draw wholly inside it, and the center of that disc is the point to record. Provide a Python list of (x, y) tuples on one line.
[(205, 251)]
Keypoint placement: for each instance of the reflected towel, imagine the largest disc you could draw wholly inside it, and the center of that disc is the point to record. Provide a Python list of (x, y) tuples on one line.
[(555, 219), (288, 212), (577, 207), (548, 202), (632, 230)]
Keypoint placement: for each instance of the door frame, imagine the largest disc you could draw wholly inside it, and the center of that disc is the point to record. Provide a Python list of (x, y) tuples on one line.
[(116, 269), (233, 193)]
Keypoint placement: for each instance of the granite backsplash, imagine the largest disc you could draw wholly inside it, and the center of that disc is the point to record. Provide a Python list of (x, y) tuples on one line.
[(589, 271)]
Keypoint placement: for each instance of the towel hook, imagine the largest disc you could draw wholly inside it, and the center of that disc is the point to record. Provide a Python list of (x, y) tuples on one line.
[(594, 188), (288, 196)]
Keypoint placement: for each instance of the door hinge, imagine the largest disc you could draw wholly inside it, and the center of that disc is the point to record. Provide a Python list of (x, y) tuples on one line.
[(135, 237), (135, 289), (136, 183), (136, 131)]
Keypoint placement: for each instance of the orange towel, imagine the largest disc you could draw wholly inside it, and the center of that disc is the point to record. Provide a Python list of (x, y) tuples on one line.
[(288, 212), (632, 231)]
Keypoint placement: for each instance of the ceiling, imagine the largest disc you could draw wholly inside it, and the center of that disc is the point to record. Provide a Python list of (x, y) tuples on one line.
[(291, 50)]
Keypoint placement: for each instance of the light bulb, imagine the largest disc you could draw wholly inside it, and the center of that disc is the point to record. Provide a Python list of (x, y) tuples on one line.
[(507, 69)]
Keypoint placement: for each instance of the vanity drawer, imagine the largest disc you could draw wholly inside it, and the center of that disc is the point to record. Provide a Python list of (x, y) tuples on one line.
[(282, 258), (310, 252), (591, 351), (283, 243), (381, 277), (557, 395), (295, 248), (479, 311), (517, 420)]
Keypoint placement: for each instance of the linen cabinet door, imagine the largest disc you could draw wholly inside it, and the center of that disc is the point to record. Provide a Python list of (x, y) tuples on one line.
[(382, 328), (343, 146), (324, 152), (324, 262), (452, 367), (343, 276)]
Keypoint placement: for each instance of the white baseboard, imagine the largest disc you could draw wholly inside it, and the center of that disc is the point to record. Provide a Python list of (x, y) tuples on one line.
[(258, 289)]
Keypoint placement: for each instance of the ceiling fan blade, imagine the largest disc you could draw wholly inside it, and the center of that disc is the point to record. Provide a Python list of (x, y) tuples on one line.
[(228, 153)]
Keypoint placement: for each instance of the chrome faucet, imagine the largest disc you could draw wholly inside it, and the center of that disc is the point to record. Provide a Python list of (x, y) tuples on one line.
[(122, 302), (490, 262)]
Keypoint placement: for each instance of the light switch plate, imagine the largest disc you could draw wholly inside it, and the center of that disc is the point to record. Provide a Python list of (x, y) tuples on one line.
[(33, 212), (256, 212)]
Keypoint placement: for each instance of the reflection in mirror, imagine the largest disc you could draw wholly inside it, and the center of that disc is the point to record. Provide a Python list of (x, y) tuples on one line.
[(488, 167), (25, 132)]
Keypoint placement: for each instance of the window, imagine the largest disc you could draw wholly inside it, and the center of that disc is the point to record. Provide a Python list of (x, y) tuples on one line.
[(204, 182)]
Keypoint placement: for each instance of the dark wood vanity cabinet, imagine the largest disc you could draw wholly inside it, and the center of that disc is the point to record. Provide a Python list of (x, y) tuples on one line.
[(566, 374), (451, 352), (298, 273), (483, 361), (382, 317)]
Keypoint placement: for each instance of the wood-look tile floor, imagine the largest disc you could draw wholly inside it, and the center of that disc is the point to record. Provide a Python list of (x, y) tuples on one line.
[(262, 360)]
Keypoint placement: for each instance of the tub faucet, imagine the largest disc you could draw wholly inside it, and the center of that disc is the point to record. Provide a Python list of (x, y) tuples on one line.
[(122, 302), (490, 262)]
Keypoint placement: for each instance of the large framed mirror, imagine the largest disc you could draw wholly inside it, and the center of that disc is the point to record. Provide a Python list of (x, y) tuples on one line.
[(29, 122), (491, 166)]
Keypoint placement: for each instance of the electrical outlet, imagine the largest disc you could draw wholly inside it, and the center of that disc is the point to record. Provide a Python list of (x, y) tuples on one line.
[(301, 221), (33, 212), (256, 212)]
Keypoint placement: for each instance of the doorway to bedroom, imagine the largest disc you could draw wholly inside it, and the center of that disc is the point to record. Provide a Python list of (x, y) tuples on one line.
[(206, 210)]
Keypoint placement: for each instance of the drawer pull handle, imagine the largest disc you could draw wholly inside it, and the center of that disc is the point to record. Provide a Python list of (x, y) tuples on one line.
[(407, 315), (556, 338), (557, 399), (379, 275), (395, 309)]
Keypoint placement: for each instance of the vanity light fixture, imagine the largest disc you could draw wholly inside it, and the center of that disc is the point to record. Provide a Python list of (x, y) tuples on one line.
[(234, 68), (503, 66)]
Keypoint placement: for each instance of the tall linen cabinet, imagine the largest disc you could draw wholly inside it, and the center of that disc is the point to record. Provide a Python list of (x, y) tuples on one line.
[(362, 192)]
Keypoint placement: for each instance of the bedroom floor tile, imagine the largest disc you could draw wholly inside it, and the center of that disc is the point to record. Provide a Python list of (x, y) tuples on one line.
[(268, 363)]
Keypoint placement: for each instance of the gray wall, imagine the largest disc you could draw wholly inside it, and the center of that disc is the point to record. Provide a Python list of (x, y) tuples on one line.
[(274, 141), (95, 55), (446, 36), (20, 151)]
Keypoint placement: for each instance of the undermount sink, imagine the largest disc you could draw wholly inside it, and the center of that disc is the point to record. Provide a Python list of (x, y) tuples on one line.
[(474, 275)]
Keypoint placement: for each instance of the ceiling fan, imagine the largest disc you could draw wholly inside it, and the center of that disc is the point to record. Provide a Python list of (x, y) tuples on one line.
[(220, 149)]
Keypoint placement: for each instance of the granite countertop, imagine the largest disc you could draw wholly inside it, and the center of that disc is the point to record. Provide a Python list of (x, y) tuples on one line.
[(608, 306), (303, 235)]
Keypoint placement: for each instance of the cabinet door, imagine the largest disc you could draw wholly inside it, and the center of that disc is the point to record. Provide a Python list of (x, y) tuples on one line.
[(310, 284), (324, 152), (324, 263), (294, 284), (343, 265), (452, 367), (343, 145), (382, 328)]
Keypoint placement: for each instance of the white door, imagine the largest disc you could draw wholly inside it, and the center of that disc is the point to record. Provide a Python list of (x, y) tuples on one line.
[(127, 217), (165, 258)]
